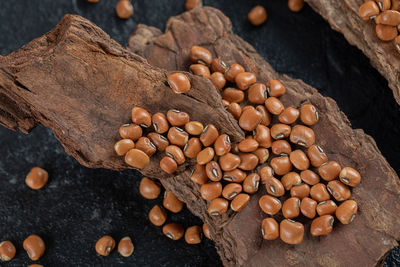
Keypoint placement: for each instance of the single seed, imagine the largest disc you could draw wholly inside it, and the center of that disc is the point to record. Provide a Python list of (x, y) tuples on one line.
[(7, 251), (257, 16), (173, 231), (179, 83), (36, 178), (124, 9), (193, 235), (105, 245), (149, 189), (172, 203), (125, 247)]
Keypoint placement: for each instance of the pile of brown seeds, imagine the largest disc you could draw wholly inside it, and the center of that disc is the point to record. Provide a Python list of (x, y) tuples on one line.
[(386, 15), (298, 172), (151, 189)]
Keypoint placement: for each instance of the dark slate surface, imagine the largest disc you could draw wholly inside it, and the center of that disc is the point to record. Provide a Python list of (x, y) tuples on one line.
[(79, 205)]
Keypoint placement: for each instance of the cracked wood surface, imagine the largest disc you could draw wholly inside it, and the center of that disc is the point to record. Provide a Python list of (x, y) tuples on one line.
[(343, 17), (376, 228)]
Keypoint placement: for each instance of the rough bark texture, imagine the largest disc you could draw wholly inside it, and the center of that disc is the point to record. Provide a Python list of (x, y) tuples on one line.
[(238, 239), (80, 83), (343, 17)]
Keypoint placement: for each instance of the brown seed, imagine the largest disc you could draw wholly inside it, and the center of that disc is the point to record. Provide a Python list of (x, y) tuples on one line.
[(200, 70), (233, 71), (218, 79), (35, 265), (291, 232), (263, 136), (270, 205), (281, 147), (248, 161), (160, 123), (235, 110), (158, 140), (236, 176), (346, 211), (7, 251), (251, 183), (262, 155), (93, 1), (172, 203), (124, 9), (200, 55), (302, 135), (338, 190), (222, 145), (199, 174), (274, 105), (157, 215), (177, 136), (383, 4), (396, 42), (218, 206), (281, 165), (309, 114), (103, 247), (386, 32), (193, 235), (141, 117), (249, 107), (265, 116), (248, 145), (240, 202), (299, 160), (274, 187), (289, 115), (233, 95), (210, 191), (249, 119), (326, 207), (295, 5), (300, 191), (192, 148), (322, 225), (168, 165), (350, 176), (213, 171), (37, 178), (206, 231), (130, 131), (191, 4), (368, 10), (329, 171), (225, 103), (257, 15), (217, 65), (316, 155), (177, 118), (125, 247), (275, 88), (257, 93), (209, 135), (307, 207), (319, 193), (291, 208), (309, 177), (173, 231), (205, 156), (229, 162), (395, 5), (137, 158), (279, 131), (231, 190), (269, 229), (265, 173), (175, 153), (290, 179), (244, 80), (149, 189), (179, 83), (146, 146)]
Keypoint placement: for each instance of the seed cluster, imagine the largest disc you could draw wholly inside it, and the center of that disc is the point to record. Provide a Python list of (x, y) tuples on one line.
[(151, 189), (386, 15), (298, 173), (106, 244)]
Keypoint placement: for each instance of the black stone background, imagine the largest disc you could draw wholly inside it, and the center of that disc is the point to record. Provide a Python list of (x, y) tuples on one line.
[(79, 205)]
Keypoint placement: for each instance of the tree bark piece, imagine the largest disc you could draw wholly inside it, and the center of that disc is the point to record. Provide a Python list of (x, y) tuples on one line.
[(376, 228), (343, 17)]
